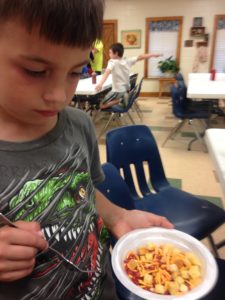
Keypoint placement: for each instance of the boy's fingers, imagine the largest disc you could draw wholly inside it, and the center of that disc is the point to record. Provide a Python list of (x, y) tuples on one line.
[(17, 236), (17, 252), (166, 223), (9, 265), (160, 221), (12, 276), (30, 226)]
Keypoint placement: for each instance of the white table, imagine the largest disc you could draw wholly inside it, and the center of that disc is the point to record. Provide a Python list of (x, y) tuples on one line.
[(87, 88), (215, 140), (200, 86)]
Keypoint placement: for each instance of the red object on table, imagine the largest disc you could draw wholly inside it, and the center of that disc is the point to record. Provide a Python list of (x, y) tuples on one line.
[(213, 74), (93, 76)]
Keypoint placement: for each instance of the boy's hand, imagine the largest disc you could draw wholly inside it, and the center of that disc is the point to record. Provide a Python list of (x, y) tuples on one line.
[(134, 219), (98, 87), (18, 248), (157, 54)]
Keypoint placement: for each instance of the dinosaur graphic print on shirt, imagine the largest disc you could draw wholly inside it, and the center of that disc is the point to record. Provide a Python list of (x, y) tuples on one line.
[(61, 198)]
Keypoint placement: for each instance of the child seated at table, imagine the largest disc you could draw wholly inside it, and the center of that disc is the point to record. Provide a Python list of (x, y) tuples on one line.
[(119, 67)]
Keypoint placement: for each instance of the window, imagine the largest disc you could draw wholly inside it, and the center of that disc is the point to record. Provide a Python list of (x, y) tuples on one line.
[(163, 35), (218, 50)]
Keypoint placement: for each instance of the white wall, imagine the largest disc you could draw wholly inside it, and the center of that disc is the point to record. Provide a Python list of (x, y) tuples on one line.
[(131, 14)]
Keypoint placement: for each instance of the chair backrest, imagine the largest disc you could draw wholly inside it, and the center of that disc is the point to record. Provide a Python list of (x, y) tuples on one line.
[(133, 80), (182, 90), (131, 98), (181, 84), (115, 188), (179, 77), (135, 145), (139, 86), (178, 101), (130, 101), (180, 105)]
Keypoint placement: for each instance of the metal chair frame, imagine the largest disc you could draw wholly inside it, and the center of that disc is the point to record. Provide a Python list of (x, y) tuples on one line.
[(187, 116)]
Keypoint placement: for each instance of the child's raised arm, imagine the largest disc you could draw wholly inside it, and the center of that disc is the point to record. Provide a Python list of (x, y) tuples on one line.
[(148, 55)]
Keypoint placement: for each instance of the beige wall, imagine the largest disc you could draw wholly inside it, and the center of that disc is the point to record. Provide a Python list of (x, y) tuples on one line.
[(131, 14)]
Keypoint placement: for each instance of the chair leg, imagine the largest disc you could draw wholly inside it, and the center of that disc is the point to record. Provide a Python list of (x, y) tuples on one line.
[(106, 126), (118, 119), (173, 132), (199, 136), (138, 110), (129, 115), (205, 123), (213, 246), (220, 244), (96, 114), (178, 128)]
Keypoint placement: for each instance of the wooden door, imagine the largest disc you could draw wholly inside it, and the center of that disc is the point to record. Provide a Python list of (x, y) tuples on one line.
[(109, 37)]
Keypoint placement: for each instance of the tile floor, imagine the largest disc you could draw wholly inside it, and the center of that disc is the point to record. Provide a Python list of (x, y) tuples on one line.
[(192, 170)]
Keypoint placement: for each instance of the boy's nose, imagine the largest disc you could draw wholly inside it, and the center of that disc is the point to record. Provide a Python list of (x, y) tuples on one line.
[(56, 93)]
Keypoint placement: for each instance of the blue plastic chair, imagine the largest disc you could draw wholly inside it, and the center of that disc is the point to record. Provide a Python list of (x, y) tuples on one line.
[(137, 94), (210, 105), (133, 81), (133, 146), (193, 104), (179, 77), (116, 190), (117, 111), (186, 116)]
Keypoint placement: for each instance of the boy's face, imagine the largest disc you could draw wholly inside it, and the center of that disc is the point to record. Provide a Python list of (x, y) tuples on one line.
[(113, 55), (37, 78)]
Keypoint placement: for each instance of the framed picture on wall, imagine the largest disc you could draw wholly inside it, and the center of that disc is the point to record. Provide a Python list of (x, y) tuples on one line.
[(197, 22), (188, 43), (197, 31), (131, 38), (206, 37), (201, 44)]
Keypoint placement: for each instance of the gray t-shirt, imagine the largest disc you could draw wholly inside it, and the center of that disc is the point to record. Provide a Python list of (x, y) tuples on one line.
[(51, 180)]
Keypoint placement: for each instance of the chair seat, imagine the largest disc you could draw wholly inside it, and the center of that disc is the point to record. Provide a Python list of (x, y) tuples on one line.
[(116, 109), (192, 114), (194, 216)]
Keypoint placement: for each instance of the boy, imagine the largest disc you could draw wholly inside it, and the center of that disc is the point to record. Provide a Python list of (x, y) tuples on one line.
[(49, 160), (97, 62), (120, 69)]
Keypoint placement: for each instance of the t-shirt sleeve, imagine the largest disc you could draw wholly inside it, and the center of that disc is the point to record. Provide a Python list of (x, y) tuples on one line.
[(96, 171), (97, 174), (132, 61), (111, 64), (88, 140)]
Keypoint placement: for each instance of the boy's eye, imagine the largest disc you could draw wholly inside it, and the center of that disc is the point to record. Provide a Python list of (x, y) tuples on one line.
[(35, 73), (75, 75)]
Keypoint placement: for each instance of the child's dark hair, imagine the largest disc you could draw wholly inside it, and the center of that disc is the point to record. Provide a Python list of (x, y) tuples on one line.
[(69, 22), (117, 48)]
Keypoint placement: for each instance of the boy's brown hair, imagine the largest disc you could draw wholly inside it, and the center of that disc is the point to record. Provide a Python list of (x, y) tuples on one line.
[(69, 22), (117, 48)]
